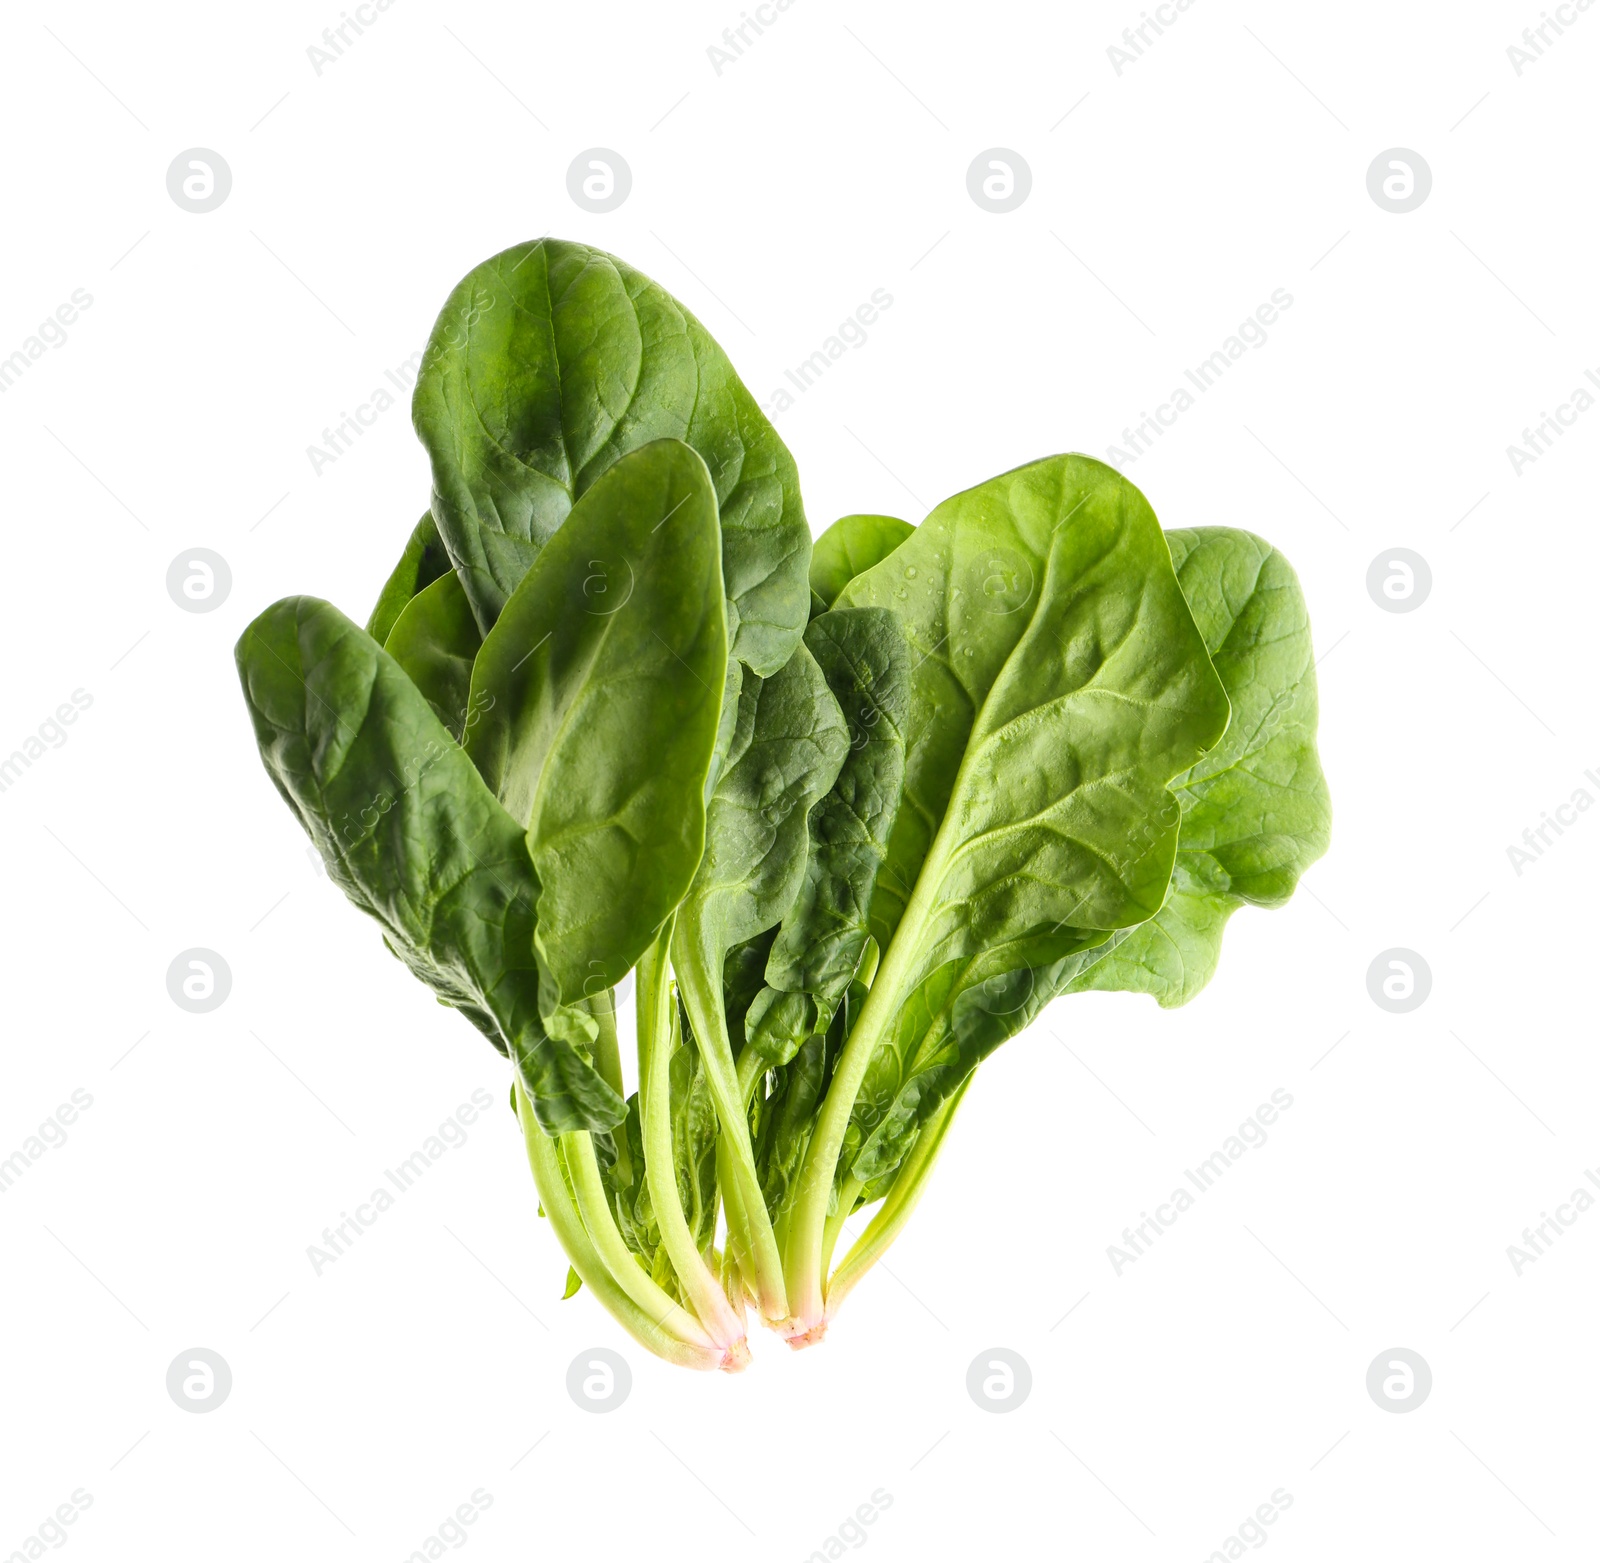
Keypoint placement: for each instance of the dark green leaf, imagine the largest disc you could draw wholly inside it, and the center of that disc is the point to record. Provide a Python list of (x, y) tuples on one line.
[(864, 657), (744, 975), (788, 744), (552, 360), (789, 1113), (410, 833)]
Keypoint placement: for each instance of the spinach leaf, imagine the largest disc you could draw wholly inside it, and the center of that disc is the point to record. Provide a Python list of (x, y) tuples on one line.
[(744, 975), (852, 544), (411, 834), (422, 563), (1060, 685), (552, 360), (789, 742), (1175, 953), (596, 700), (435, 639), (866, 660), (1255, 815), (1256, 811)]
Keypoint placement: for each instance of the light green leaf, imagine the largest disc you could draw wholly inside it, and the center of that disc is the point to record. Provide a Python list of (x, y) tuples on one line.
[(852, 544), (435, 639), (422, 563), (1256, 812), (1060, 685)]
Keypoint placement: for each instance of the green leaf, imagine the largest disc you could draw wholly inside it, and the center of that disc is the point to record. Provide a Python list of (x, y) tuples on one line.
[(1060, 685), (552, 360), (788, 744), (864, 656), (1256, 811), (574, 1282), (1254, 816), (744, 975), (422, 563), (852, 544), (435, 639), (596, 700), (411, 834)]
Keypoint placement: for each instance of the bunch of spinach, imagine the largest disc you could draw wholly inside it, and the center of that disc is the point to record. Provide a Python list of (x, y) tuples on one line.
[(852, 813)]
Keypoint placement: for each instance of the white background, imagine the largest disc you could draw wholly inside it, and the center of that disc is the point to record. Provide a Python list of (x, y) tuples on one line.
[(830, 160)]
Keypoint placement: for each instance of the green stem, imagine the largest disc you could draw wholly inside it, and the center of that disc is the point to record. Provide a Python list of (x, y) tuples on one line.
[(849, 1192), (897, 1206), (607, 1055), (545, 1163), (626, 1271), (702, 997), (780, 1227), (657, 1037), (608, 1064), (738, 1227), (732, 1279), (751, 1069)]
